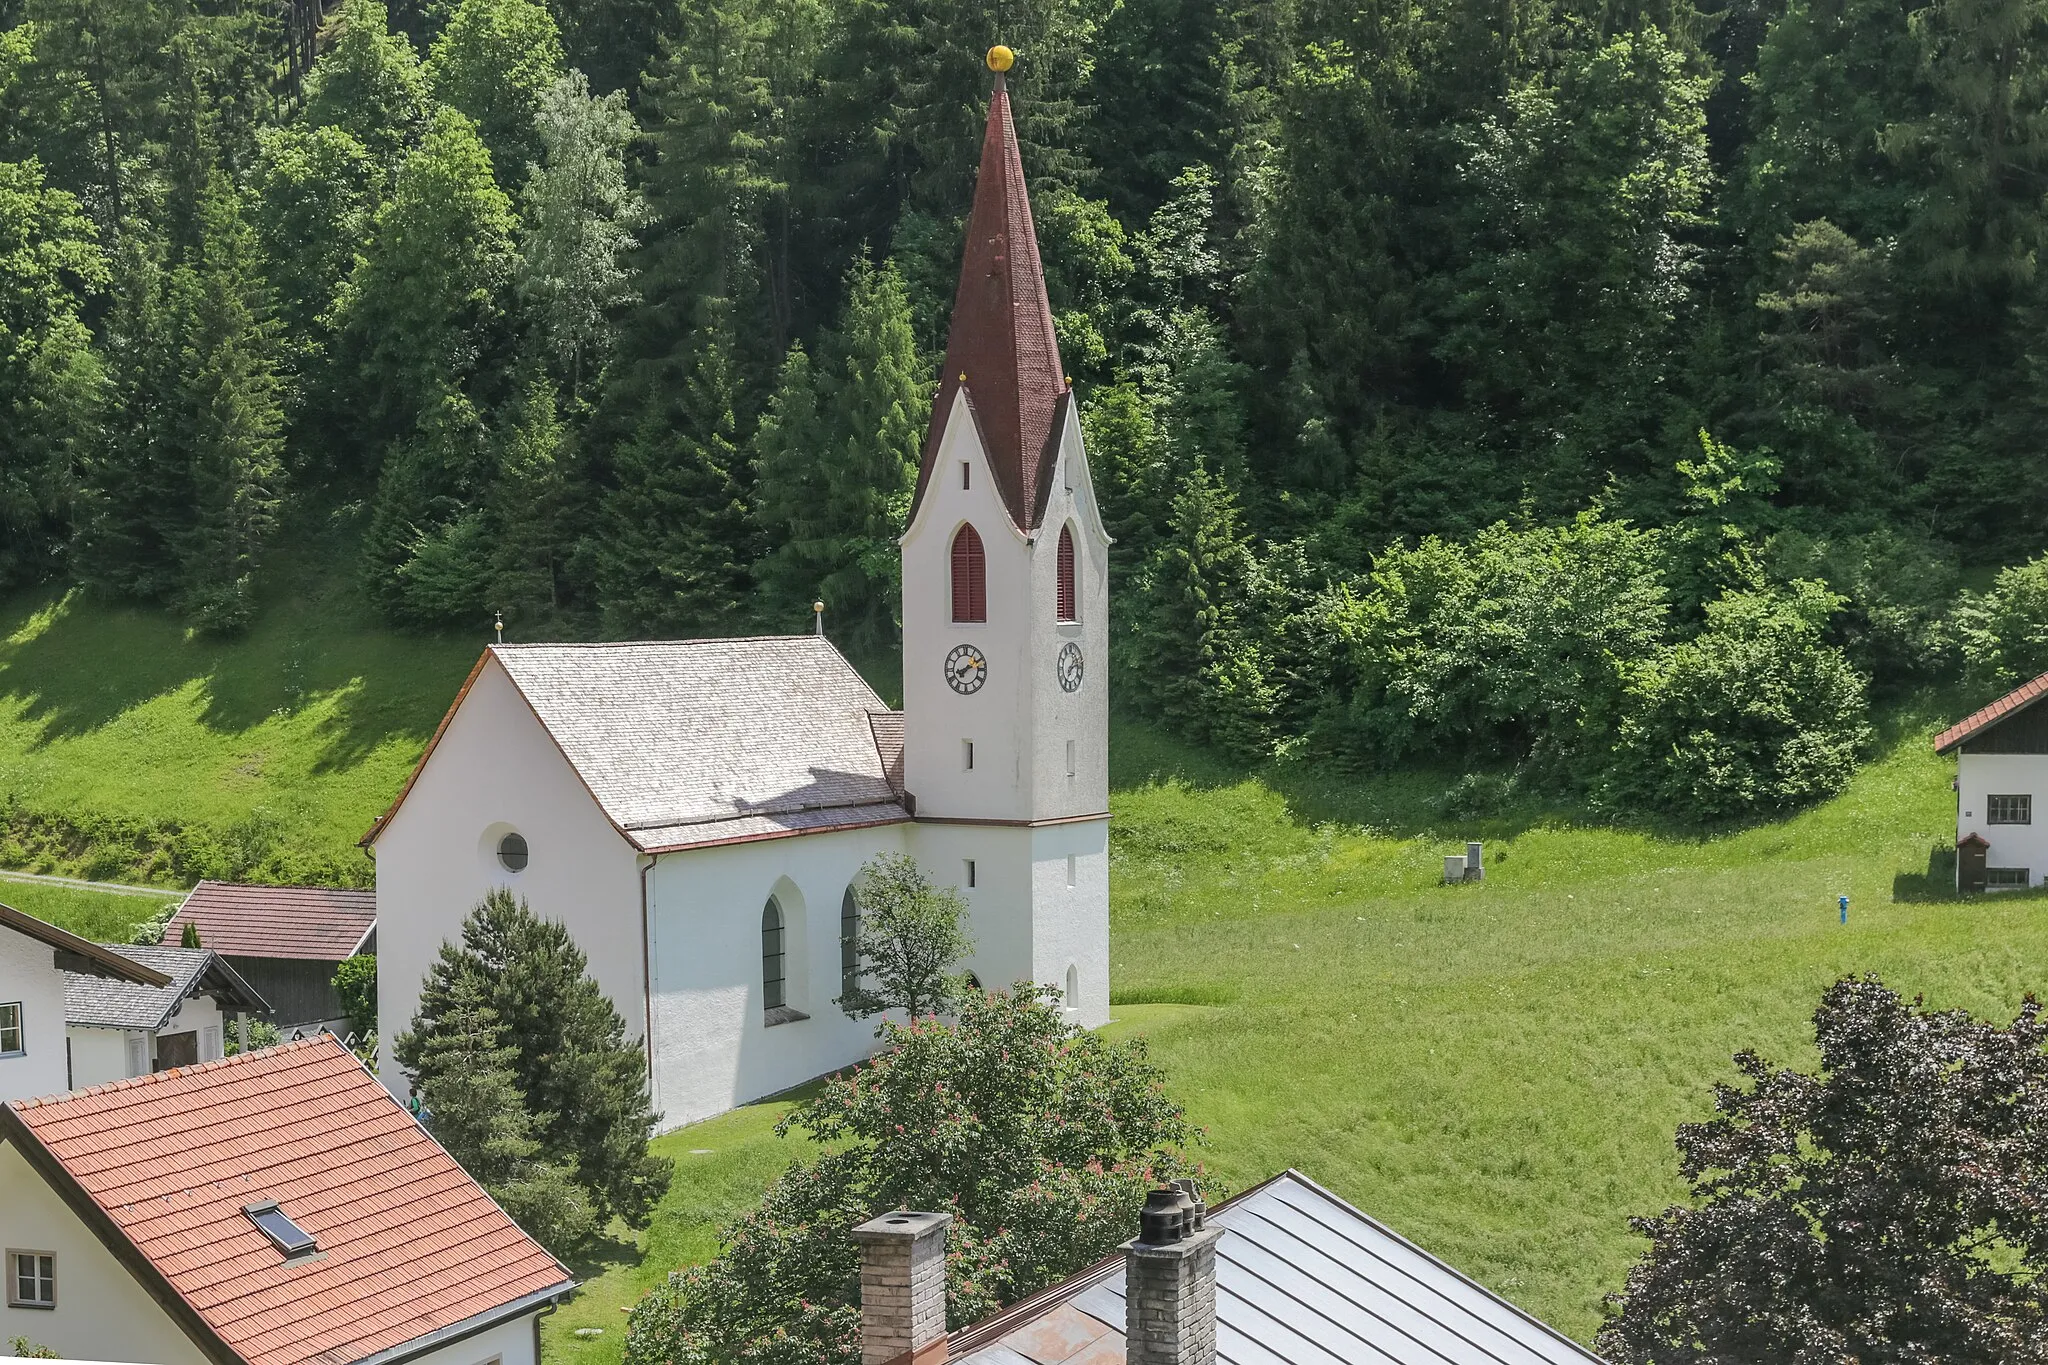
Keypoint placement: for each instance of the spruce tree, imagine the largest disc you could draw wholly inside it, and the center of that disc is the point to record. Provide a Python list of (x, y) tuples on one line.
[(495, 61), (673, 544), (529, 508), (838, 466), (474, 1107), (134, 488), (52, 383), (423, 314), (230, 418), (584, 1081), (1202, 672), (370, 84)]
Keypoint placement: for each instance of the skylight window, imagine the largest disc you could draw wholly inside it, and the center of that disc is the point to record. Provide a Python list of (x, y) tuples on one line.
[(275, 1224)]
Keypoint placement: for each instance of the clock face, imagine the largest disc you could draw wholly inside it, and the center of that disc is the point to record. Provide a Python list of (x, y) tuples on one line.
[(1068, 667), (966, 670)]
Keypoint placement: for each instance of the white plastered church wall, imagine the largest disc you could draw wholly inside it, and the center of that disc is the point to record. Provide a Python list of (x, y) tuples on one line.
[(497, 771), (29, 976), (1028, 922), (713, 1048), (101, 1312)]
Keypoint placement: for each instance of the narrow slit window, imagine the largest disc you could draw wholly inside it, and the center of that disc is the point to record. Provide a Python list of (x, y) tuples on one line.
[(1070, 758), (283, 1233), (1067, 603), (1071, 868), (965, 478), (774, 990), (970, 872), (970, 576), (967, 754)]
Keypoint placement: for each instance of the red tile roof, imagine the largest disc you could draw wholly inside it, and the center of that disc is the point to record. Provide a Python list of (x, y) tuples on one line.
[(1002, 339), (2019, 699), (162, 1166), (318, 923)]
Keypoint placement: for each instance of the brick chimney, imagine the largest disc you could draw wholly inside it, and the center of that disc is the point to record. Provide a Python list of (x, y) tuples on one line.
[(903, 1288), (1170, 1282)]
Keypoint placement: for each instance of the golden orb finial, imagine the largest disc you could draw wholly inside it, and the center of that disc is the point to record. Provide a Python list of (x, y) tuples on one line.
[(1001, 59)]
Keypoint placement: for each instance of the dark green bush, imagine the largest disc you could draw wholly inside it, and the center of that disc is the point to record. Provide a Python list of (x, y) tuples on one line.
[(1756, 713)]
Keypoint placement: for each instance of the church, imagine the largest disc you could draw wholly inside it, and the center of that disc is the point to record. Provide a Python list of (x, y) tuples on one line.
[(696, 811)]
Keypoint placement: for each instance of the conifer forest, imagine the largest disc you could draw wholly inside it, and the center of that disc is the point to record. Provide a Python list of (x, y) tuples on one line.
[(1620, 396)]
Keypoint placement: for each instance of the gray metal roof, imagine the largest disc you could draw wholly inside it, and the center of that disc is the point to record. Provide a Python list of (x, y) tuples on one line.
[(676, 738), (96, 1002), (1302, 1278)]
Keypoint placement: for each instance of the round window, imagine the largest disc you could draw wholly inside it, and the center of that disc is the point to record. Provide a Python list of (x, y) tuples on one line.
[(512, 852)]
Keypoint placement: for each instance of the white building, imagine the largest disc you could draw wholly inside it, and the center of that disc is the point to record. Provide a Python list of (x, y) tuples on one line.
[(2001, 770), (37, 961), (695, 812), (117, 1028), (275, 1208)]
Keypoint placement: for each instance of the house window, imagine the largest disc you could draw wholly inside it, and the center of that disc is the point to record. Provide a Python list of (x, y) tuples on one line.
[(772, 956), (970, 872), (1066, 599), (31, 1279), (512, 852), (2008, 810), (12, 1043), (970, 577), (849, 943), (2006, 878)]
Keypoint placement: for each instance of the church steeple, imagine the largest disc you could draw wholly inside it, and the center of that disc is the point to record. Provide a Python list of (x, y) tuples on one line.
[(1001, 348)]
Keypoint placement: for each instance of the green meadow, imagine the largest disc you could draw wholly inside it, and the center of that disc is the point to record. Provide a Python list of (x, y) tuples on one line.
[(1494, 1069)]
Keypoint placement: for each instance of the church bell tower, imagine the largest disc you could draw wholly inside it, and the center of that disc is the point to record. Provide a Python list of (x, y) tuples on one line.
[(1005, 616)]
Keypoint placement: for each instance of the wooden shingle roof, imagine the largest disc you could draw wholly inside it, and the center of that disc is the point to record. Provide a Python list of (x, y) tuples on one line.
[(162, 1167), (689, 743)]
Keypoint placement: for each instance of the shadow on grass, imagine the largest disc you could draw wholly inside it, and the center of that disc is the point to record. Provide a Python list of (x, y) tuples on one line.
[(1937, 883), (603, 1254), (1481, 800), (77, 665)]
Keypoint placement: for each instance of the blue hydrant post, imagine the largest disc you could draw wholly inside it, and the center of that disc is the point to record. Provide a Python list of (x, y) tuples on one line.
[(1845, 909)]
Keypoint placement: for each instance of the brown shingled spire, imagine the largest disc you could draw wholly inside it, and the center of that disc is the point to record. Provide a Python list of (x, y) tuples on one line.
[(1002, 335)]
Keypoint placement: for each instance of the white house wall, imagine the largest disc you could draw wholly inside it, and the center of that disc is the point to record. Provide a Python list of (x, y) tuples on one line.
[(509, 1343), (29, 974), (100, 1055), (497, 771), (101, 1312), (712, 1047), (1982, 775)]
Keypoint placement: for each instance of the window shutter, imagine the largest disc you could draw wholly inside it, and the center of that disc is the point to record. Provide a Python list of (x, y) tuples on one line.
[(970, 577), (1066, 575)]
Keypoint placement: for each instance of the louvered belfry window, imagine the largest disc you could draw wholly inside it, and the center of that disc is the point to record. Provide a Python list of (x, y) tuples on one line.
[(970, 576), (1066, 593)]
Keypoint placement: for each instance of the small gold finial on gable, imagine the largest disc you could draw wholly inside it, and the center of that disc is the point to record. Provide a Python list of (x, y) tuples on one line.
[(1001, 59)]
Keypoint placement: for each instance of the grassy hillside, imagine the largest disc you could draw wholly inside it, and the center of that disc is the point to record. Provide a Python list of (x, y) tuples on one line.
[(130, 750), (1496, 1070)]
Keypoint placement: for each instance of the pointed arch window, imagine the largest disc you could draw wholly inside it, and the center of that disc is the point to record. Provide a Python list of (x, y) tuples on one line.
[(849, 943), (773, 956), (970, 576), (1067, 602)]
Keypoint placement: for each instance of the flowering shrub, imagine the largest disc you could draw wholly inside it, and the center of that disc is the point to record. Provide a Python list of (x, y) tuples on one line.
[(1040, 1139)]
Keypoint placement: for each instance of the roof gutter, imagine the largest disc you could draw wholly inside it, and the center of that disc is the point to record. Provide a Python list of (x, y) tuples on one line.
[(468, 1327)]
